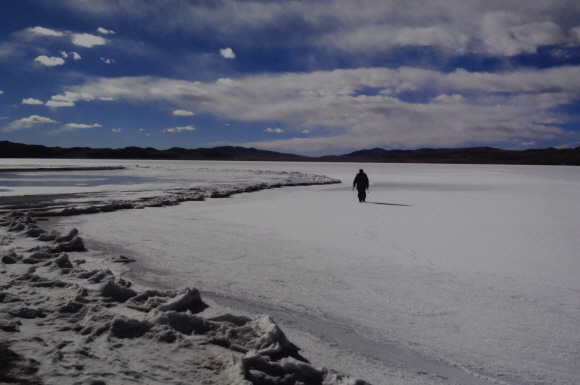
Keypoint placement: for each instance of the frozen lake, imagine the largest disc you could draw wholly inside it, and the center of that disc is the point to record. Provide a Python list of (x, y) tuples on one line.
[(469, 267)]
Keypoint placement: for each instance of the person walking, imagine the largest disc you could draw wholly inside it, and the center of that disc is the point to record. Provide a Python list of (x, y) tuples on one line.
[(361, 183)]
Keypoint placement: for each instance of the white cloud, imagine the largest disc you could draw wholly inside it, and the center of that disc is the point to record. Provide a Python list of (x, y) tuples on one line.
[(45, 31), (32, 101), (69, 99), (505, 34), (143, 88), (179, 129), (107, 61), (50, 61), (105, 31), (26, 123), (305, 131), (77, 126), (117, 130), (458, 26), (70, 127), (274, 130), (65, 55), (183, 113), (227, 53), (1, 92), (378, 37), (106, 98), (54, 103), (87, 40)]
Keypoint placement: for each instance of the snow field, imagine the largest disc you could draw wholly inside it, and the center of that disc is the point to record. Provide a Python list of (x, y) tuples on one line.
[(471, 267)]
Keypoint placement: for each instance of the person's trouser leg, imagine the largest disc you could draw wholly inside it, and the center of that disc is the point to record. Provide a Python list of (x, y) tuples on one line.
[(361, 195)]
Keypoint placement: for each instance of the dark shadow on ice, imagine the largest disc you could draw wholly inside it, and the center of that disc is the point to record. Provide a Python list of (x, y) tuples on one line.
[(390, 204), (195, 309)]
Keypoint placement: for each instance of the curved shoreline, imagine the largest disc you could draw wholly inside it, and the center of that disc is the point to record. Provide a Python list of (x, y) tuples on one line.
[(45, 205)]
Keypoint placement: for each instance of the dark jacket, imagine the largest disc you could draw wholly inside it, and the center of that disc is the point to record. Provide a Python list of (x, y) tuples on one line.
[(361, 181)]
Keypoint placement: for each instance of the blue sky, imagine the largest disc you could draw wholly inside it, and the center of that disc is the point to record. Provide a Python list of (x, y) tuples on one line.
[(306, 77)]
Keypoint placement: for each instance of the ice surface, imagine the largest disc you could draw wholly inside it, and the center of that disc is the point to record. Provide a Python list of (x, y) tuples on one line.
[(471, 267)]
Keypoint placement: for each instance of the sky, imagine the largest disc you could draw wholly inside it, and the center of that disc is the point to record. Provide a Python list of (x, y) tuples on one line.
[(306, 77)]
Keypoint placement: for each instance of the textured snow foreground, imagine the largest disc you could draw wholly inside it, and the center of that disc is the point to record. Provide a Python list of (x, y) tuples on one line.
[(68, 317), (76, 321)]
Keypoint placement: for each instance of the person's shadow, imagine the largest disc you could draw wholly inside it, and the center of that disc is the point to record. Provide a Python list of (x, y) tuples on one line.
[(389, 204)]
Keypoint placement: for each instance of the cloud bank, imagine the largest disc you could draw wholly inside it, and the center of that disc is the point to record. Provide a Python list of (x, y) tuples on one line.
[(492, 28), (465, 107)]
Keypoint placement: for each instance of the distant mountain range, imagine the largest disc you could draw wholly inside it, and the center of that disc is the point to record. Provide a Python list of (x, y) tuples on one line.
[(469, 155)]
